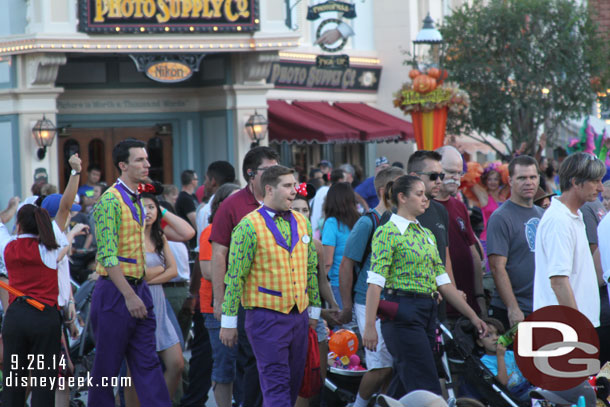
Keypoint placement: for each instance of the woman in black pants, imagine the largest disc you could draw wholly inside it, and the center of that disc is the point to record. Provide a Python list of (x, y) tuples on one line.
[(405, 264), (31, 337)]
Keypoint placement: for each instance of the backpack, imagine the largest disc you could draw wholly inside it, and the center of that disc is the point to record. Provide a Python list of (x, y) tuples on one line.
[(376, 223)]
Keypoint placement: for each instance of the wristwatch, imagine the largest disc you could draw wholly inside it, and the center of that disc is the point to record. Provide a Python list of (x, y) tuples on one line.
[(73, 172)]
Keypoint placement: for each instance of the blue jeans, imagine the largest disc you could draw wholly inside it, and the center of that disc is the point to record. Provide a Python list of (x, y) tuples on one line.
[(337, 295), (223, 368)]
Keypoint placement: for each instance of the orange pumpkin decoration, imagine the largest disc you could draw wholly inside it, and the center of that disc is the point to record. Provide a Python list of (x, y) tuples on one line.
[(424, 84), (595, 82), (434, 73), (343, 342), (414, 73)]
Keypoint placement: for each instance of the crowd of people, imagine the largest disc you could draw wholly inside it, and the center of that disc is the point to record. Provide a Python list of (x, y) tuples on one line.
[(239, 274)]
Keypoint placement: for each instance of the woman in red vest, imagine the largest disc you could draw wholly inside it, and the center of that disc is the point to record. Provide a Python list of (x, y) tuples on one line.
[(31, 337)]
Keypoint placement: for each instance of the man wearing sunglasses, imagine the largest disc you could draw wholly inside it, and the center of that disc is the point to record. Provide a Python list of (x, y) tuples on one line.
[(427, 166)]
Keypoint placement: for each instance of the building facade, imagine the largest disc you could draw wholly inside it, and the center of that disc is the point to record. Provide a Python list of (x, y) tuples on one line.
[(105, 70)]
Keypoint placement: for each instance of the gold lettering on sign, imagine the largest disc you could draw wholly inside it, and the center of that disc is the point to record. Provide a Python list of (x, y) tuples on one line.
[(436, 96), (169, 72), (166, 10)]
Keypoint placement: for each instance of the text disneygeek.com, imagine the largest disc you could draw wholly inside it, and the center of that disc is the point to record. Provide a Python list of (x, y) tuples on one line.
[(16, 380)]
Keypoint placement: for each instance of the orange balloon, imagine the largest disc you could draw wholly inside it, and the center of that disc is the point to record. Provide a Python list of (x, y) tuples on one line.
[(344, 343)]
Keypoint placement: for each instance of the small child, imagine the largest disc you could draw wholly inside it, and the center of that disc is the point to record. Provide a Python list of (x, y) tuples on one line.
[(501, 362)]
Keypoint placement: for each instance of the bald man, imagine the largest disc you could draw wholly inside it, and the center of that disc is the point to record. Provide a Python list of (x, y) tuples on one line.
[(464, 256)]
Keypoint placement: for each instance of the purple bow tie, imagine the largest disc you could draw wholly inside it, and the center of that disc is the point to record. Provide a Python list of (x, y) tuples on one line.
[(282, 214)]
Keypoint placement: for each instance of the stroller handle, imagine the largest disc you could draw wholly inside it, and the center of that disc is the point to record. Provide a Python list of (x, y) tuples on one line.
[(445, 330)]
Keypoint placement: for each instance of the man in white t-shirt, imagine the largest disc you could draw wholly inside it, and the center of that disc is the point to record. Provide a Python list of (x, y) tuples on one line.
[(565, 273)]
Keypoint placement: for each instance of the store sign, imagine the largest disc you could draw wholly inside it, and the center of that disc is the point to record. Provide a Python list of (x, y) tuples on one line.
[(308, 76), (169, 72), (328, 35), (348, 9), (439, 95), (183, 16), (332, 61)]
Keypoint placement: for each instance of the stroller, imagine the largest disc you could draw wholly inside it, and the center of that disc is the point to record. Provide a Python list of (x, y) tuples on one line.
[(453, 353), (477, 378), (82, 349), (483, 386)]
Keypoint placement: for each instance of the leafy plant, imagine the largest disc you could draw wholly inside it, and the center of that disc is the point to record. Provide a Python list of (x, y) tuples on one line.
[(525, 64)]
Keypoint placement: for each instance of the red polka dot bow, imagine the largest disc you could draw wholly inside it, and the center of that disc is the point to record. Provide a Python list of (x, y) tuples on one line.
[(146, 188), (302, 189)]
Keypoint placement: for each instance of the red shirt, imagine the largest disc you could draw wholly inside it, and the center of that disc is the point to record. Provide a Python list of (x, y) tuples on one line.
[(28, 273), (230, 213), (461, 237), (205, 290)]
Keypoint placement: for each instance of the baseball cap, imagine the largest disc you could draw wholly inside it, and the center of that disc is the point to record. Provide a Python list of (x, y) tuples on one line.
[(567, 397), (380, 161), (51, 204), (417, 398), (325, 163), (40, 174)]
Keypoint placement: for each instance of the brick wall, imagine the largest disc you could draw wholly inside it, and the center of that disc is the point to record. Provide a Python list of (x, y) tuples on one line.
[(600, 10)]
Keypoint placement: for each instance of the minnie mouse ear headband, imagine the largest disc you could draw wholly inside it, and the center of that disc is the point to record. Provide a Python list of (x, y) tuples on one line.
[(307, 191), (154, 187)]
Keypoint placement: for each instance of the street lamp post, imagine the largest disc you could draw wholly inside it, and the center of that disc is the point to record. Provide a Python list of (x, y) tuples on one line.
[(44, 133), (428, 46), (256, 128)]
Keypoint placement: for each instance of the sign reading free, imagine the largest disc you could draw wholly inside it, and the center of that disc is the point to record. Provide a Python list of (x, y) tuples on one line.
[(132, 16)]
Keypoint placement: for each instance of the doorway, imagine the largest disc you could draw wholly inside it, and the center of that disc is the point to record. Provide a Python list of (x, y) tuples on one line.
[(94, 146)]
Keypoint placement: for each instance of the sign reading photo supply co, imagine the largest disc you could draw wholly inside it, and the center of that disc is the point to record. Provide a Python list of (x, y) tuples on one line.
[(174, 16), (308, 76)]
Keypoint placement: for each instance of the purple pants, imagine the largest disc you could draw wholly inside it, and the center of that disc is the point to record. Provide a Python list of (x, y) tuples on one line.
[(279, 342), (119, 336)]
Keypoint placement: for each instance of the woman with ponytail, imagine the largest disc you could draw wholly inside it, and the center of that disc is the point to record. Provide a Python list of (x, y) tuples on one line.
[(31, 336), (406, 266)]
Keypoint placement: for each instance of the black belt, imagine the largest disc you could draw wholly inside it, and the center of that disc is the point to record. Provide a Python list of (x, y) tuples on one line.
[(130, 280), (176, 284), (412, 294)]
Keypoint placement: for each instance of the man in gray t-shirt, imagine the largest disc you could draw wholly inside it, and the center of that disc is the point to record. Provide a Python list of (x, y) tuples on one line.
[(511, 236), (592, 214)]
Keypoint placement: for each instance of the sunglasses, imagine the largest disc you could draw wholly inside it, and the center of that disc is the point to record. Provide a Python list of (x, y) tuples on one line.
[(433, 175), (591, 157)]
